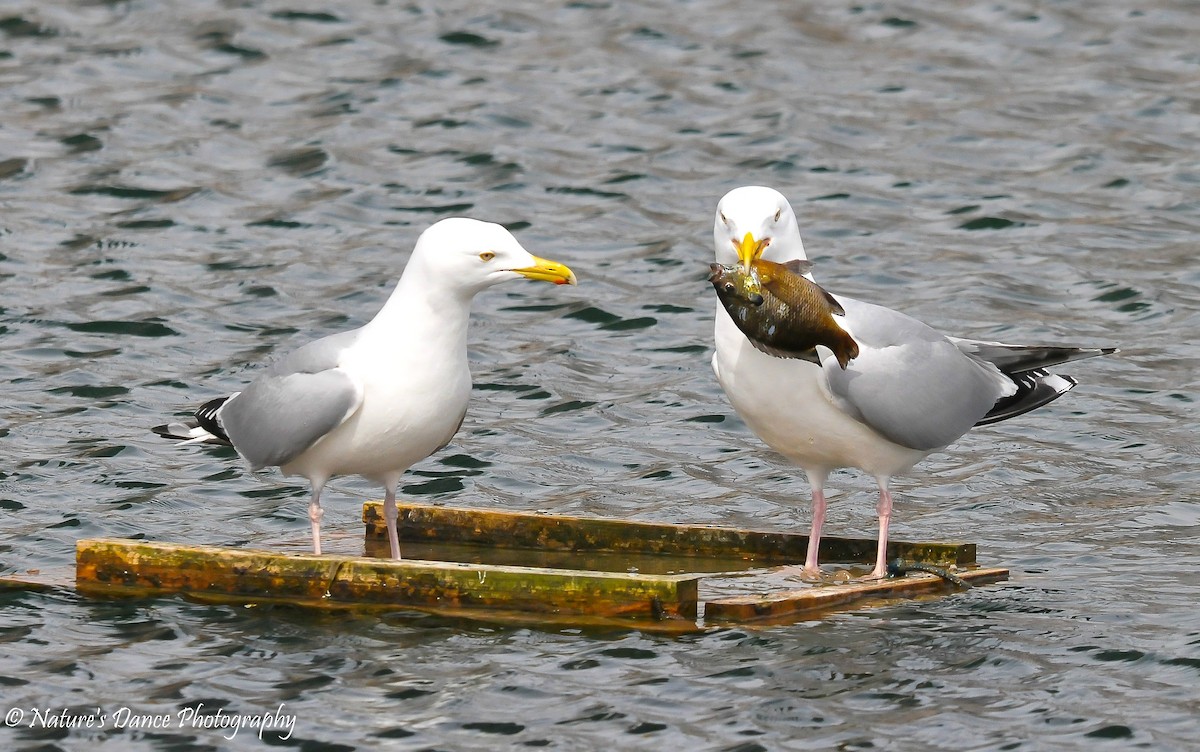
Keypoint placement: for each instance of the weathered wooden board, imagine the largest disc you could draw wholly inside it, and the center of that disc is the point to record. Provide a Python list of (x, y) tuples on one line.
[(788, 605), (115, 565), (483, 527), (38, 580)]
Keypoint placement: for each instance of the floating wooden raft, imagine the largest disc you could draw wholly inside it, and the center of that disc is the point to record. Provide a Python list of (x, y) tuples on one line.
[(529, 567), (112, 565)]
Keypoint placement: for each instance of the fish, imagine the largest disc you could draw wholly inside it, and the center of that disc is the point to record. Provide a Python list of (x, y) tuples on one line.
[(782, 312)]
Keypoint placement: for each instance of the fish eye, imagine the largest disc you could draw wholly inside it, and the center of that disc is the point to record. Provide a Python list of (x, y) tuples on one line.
[(487, 256), (729, 287)]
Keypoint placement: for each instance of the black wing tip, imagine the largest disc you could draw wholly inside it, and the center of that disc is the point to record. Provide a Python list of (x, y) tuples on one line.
[(1017, 359), (165, 431), (205, 417), (1081, 353), (1034, 389)]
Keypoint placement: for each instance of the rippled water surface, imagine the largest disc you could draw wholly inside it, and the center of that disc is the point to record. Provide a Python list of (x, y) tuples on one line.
[(189, 188)]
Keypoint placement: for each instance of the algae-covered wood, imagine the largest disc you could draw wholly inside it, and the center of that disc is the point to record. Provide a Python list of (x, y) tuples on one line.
[(114, 565), (593, 575), (419, 522)]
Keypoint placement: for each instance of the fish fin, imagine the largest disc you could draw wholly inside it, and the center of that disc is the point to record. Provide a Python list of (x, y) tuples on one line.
[(834, 306), (798, 266), (810, 354)]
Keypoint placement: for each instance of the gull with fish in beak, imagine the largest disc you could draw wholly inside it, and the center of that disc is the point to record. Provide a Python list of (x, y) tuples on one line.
[(903, 392)]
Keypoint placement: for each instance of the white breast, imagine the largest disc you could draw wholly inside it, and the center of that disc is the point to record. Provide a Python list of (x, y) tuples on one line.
[(787, 404)]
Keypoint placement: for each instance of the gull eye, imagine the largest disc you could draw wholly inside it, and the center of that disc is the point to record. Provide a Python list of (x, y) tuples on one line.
[(724, 219), (778, 214), (487, 256)]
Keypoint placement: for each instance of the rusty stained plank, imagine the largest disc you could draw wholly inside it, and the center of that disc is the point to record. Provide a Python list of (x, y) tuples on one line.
[(788, 605), (117, 565), (496, 528)]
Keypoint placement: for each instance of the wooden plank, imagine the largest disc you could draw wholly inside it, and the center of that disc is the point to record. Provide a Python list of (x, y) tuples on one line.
[(788, 605), (495, 528), (39, 580), (116, 565)]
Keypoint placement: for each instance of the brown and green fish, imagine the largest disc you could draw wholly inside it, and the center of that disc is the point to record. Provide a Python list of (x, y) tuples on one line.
[(782, 312)]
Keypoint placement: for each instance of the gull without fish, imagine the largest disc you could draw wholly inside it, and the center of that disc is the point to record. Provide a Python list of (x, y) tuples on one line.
[(375, 400)]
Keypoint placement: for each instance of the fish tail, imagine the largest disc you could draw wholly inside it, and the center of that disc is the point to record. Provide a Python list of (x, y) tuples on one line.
[(845, 350)]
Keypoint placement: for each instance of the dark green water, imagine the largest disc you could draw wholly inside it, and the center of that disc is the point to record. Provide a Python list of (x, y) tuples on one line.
[(187, 189)]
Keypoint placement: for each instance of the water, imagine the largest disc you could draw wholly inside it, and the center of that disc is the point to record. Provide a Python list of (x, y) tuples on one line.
[(189, 188)]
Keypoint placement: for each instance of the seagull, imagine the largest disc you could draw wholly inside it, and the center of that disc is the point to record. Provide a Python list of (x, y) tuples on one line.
[(375, 400), (909, 392)]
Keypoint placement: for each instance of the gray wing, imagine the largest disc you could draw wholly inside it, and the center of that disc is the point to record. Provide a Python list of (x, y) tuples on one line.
[(909, 382), (299, 399)]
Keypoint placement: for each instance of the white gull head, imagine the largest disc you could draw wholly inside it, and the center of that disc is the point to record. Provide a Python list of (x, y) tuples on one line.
[(756, 216), (468, 256)]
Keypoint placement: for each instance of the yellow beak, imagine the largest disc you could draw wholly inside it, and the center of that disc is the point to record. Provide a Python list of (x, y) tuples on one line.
[(749, 250), (548, 271)]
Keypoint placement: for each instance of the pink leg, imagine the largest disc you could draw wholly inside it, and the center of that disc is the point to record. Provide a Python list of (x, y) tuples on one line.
[(811, 568), (389, 516), (315, 513), (885, 517)]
